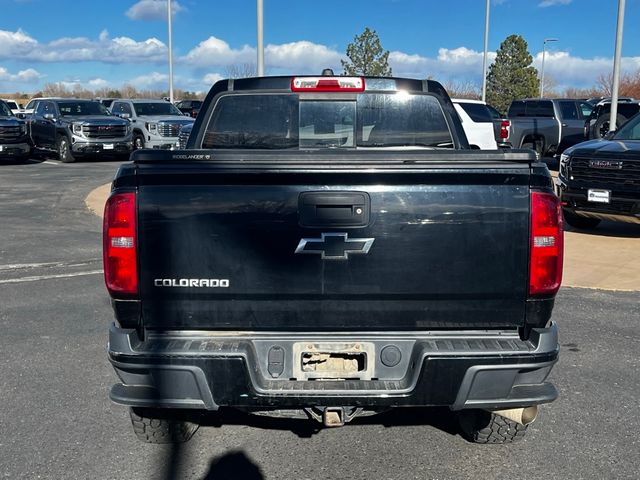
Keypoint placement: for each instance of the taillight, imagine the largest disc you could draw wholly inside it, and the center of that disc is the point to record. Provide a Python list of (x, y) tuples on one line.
[(327, 84), (504, 129), (547, 245), (120, 244)]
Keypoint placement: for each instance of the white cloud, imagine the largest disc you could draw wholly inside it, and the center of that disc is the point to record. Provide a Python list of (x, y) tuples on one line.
[(553, 3), (211, 78), (151, 81), (214, 51), (302, 57), (450, 63), (568, 70), (20, 46), (152, 10), (96, 83), (28, 76), (15, 43)]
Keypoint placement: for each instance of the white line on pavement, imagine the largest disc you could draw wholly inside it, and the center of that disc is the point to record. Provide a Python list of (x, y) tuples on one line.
[(21, 266), (49, 162), (48, 277), (18, 266)]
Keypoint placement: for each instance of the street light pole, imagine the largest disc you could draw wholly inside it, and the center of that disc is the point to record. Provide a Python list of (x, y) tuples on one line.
[(260, 34), (544, 48), (170, 53), (486, 51), (616, 67)]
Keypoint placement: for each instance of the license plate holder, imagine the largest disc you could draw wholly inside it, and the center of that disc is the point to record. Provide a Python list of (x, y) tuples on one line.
[(596, 195), (333, 360), (107, 146)]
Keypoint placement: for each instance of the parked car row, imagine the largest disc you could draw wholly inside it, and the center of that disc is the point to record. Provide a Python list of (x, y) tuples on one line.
[(75, 128)]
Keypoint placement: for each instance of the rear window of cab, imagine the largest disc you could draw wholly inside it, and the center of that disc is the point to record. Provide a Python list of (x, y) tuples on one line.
[(368, 120)]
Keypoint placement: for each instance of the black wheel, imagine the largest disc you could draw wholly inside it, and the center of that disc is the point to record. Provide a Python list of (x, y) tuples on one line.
[(480, 426), (576, 221), (161, 425), (601, 128), (64, 150), (536, 145), (138, 141)]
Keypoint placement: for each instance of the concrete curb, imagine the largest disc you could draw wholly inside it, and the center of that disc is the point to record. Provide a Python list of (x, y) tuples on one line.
[(96, 199), (605, 259)]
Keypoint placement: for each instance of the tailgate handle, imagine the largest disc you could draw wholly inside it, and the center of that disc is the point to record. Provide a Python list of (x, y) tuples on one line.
[(334, 209)]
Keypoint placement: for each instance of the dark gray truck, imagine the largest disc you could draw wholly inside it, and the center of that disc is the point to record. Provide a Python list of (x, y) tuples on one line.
[(331, 247), (546, 125), (77, 128)]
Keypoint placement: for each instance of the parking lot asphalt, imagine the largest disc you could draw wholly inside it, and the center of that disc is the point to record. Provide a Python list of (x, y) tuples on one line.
[(56, 420)]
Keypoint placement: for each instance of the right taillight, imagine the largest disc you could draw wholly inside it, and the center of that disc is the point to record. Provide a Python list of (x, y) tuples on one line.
[(120, 244), (504, 129), (547, 245)]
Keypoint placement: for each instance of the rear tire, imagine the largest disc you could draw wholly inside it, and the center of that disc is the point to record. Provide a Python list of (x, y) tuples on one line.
[(601, 128), (535, 145), (480, 426), (64, 150), (576, 221), (161, 426)]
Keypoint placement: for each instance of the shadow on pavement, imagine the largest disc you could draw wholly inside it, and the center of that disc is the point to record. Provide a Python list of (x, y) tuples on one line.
[(236, 464), (609, 229), (232, 466), (440, 418)]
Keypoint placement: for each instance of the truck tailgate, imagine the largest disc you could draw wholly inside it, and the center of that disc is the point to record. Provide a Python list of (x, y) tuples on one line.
[(283, 248)]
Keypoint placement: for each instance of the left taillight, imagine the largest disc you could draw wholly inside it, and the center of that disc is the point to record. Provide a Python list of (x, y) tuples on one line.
[(547, 244), (120, 244), (504, 129)]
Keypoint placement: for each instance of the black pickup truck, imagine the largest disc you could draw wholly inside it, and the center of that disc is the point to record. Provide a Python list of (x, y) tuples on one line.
[(14, 141), (600, 179), (331, 247)]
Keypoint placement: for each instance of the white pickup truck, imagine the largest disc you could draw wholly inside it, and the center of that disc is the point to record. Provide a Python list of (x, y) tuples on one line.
[(13, 105), (477, 123), (156, 123)]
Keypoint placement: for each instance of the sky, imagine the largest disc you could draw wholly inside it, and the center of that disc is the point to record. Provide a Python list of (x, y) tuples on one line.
[(99, 43)]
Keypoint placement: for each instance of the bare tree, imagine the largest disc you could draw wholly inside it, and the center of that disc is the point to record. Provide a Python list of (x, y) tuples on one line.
[(457, 89), (241, 70), (550, 85), (629, 85)]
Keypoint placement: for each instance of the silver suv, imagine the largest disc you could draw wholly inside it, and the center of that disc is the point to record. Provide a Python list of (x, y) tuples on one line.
[(156, 123)]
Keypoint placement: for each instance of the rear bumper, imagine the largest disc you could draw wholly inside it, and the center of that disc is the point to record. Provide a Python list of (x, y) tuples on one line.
[(455, 369)]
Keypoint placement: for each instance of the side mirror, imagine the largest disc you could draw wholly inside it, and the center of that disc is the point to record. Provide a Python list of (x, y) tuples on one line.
[(125, 115), (49, 116)]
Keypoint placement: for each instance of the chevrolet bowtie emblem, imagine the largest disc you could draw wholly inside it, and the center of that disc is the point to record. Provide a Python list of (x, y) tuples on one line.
[(334, 246)]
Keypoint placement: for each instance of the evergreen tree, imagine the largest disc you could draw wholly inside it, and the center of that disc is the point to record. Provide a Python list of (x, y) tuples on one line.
[(512, 76), (366, 56)]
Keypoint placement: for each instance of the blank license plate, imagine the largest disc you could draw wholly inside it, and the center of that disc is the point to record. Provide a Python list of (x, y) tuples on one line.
[(599, 196), (108, 146)]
